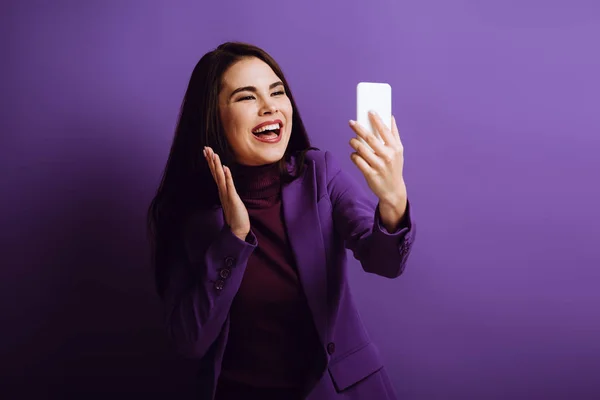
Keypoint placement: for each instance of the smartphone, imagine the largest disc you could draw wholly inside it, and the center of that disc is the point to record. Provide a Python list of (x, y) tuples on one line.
[(376, 97)]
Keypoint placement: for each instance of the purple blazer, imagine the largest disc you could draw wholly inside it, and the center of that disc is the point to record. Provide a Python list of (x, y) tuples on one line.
[(325, 212)]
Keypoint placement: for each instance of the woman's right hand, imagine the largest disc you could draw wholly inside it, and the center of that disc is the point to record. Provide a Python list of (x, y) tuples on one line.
[(234, 210)]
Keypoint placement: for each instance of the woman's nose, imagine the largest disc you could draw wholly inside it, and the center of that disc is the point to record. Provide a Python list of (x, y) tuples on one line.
[(268, 108)]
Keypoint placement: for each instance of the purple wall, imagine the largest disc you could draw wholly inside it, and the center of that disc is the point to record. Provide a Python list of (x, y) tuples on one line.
[(499, 109)]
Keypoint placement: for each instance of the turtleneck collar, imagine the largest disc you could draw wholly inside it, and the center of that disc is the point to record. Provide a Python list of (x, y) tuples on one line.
[(258, 186)]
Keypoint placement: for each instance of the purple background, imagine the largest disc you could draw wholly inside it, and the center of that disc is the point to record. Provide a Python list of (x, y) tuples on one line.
[(499, 110)]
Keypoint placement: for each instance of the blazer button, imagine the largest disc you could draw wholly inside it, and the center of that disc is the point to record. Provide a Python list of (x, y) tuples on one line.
[(330, 348), (224, 273), (229, 261), (219, 284)]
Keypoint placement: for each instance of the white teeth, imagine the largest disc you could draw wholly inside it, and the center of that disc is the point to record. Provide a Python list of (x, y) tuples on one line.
[(267, 128)]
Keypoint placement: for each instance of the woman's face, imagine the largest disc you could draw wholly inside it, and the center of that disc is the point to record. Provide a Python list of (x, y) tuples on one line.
[(256, 112)]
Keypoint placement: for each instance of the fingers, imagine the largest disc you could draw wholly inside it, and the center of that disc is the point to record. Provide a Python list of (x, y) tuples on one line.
[(229, 182), (216, 170), (383, 151), (366, 154), (362, 165), (220, 174), (368, 137), (380, 126), (209, 160), (395, 132)]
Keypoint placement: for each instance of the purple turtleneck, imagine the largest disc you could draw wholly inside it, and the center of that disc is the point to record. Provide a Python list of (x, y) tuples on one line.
[(272, 340)]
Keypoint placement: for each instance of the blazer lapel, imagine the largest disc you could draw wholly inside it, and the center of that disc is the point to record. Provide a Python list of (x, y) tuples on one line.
[(299, 202)]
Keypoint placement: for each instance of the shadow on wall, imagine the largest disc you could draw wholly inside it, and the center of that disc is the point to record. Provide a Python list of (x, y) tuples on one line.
[(85, 320)]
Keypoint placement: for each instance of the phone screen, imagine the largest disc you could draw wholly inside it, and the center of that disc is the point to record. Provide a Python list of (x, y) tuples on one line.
[(371, 96)]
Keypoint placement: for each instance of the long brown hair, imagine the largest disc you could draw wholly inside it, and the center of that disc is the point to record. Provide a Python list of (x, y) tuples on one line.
[(186, 182)]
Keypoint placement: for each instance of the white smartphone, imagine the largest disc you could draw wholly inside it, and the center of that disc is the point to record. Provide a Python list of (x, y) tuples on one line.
[(372, 96)]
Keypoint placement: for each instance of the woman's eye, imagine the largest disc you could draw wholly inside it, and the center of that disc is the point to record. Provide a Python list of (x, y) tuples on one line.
[(246, 98), (279, 93)]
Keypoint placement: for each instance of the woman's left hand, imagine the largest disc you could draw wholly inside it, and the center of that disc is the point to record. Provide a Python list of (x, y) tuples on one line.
[(382, 165)]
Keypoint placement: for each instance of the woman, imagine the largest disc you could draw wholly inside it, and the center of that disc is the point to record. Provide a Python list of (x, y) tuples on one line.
[(250, 226)]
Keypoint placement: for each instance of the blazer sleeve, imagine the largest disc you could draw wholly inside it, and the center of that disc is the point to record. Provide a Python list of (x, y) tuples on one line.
[(203, 278), (358, 221)]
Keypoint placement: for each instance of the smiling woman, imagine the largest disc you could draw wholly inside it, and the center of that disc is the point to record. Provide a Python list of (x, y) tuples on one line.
[(257, 118), (249, 231)]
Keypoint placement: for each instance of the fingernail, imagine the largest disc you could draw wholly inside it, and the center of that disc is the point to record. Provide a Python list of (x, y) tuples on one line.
[(352, 122), (372, 112)]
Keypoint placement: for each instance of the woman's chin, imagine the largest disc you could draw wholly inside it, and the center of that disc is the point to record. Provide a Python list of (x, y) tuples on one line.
[(264, 158), (261, 153), (269, 155), (270, 159)]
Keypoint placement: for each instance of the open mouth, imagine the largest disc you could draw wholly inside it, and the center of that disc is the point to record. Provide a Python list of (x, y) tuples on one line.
[(268, 132)]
